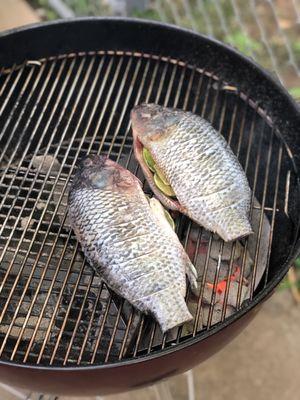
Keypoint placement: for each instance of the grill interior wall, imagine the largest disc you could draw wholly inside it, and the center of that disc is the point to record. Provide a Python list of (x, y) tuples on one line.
[(54, 310)]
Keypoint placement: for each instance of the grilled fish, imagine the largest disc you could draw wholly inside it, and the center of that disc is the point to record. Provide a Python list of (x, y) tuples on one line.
[(209, 183), (127, 240)]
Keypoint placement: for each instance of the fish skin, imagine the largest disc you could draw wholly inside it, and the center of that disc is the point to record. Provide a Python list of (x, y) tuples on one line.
[(127, 243), (207, 178)]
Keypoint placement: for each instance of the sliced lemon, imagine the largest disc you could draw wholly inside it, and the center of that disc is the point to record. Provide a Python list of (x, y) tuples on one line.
[(161, 175), (166, 189), (148, 159)]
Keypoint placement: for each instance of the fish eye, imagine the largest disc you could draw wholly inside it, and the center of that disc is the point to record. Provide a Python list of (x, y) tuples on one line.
[(99, 181), (88, 162)]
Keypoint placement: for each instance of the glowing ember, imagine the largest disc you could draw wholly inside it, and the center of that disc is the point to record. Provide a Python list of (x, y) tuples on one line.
[(221, 286)]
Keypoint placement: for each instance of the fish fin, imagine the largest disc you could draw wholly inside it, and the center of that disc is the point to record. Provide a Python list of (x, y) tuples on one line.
[(159, 215), (168, 307), (192, 275), (239, 229)]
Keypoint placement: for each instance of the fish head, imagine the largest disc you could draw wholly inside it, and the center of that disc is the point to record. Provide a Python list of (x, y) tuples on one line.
[(99, 172), (152, 122)]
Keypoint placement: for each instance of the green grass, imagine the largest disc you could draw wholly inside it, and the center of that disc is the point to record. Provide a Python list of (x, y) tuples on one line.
[(295, 92), (147, 14), (48, 11), (244, 43), (285, 284)]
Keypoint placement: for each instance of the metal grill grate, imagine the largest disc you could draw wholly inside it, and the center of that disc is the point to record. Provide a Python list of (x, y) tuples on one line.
[(54, 309)]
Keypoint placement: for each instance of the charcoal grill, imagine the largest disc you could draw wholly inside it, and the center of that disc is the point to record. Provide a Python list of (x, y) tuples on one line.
[(66, 89)]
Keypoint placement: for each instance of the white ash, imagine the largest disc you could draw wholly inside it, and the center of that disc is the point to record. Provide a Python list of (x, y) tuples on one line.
[(24, 222), (40, 205), (28, 331), (225, 265), (233, 294), (226, 251), (46, 163), (222, 268)]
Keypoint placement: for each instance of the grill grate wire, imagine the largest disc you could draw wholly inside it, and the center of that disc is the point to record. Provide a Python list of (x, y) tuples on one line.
[(55, 310)]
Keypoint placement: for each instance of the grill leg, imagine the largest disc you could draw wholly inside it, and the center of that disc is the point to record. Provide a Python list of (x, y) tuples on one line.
[(39, 396), (190, 384), (15, 392), (162, 391)]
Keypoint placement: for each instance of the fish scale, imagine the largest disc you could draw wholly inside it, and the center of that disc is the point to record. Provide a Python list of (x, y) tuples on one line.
[(209, 182), (125, 242)]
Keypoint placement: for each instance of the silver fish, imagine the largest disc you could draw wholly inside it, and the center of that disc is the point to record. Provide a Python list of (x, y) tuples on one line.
[(128, 241), (209, 182)]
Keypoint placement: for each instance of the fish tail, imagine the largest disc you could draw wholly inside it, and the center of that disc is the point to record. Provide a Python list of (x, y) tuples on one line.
[(167, 306), (239, 228)]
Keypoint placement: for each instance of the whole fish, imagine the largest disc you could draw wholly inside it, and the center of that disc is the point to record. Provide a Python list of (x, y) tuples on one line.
[(128, 241), (206, 177)]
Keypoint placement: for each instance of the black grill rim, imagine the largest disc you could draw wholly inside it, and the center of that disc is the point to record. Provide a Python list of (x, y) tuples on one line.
[(25, 43)]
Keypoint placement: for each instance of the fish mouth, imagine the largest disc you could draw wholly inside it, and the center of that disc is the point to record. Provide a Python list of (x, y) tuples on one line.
[(169, 202), (144, 113), (138, 113)]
